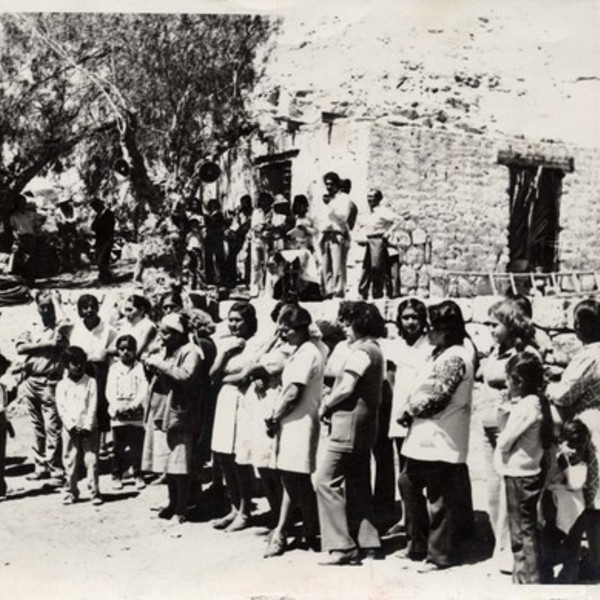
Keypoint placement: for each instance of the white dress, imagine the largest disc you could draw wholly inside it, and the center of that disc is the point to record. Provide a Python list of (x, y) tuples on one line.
[(298, 436), (231, 415)]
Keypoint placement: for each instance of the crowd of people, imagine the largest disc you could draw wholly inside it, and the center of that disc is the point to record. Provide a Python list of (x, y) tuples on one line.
[(308, 410), (275, 245)]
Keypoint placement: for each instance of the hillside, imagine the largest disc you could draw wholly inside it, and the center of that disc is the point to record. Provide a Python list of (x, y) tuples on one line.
[(519, 68)]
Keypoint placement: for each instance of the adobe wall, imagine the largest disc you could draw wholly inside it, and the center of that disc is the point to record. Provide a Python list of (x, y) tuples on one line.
[(454, 189)]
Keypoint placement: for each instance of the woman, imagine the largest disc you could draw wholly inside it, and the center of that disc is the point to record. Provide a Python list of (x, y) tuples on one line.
[(350, 412), (295, 425), (407, 353), (233, 354), (137, 324), (438, 411), (577, 395), (263, 375), (512, 332), (174, 412)]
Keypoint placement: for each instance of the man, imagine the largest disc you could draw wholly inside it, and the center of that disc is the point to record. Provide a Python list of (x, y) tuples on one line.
[(43, 346), (335, 235), (103, 227), (376, 227)]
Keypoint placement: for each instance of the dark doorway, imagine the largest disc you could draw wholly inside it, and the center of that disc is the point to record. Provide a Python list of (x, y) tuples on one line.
[(534, 191), (275, 172), (276, 178)]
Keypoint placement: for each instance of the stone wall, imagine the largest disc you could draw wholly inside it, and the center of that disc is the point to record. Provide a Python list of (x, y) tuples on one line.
[(454, 189)]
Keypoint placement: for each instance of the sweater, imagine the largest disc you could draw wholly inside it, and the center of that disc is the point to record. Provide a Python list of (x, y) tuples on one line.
[(519, 445)]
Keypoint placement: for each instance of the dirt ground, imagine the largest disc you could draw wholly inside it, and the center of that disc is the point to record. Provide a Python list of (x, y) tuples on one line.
[(121, 550)]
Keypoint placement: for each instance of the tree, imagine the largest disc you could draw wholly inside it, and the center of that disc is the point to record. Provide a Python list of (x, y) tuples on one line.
[(166, 92)]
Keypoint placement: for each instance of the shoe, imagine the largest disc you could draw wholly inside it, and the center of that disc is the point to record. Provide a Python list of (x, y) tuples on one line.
[(276, 547), (117, 483), (240, 522), (341, 558), (69, 499), (225, 521), (38, 476), (97, 501), (431, 567), (372, 554), (140, 484), (395, 529), (166, 513), (406, 555)]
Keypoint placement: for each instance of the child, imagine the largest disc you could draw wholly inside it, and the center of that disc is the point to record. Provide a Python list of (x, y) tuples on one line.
[(77, 403), (563, 504), (5, 425), (520, 449), (126, 391)]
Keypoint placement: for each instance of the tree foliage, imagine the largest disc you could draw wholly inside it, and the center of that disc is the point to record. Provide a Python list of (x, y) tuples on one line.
[(167, 92)]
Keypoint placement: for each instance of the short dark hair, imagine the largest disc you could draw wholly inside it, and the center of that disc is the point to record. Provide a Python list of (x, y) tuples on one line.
[(345, 309), (575, 433), (87, 300), (75, 355), (296, 318), (377, 195), (366, 320), (587, 317), (140, 303), (280, 307), (128, 339), (332, 176)]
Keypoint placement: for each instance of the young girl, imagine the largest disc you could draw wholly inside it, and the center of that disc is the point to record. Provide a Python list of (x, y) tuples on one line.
[(126, 391), (563, 503), (527, 432)]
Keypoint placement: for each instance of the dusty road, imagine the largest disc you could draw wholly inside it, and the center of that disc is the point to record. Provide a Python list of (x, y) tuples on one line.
[(121, 550)]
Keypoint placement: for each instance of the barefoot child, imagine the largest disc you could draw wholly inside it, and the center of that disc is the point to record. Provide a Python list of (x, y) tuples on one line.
[(77, 402), (520, 449), (126, 391)]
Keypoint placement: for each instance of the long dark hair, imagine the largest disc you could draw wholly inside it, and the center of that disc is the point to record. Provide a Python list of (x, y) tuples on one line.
[(421, 310), (448, 318), (248, 314), (365, 319), (529, 370)]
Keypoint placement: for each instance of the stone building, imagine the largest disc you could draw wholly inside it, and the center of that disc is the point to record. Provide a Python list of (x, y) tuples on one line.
[(452, 124)]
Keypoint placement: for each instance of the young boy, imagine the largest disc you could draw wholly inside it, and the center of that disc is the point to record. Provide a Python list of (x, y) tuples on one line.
[(126, 391), (77, 401)]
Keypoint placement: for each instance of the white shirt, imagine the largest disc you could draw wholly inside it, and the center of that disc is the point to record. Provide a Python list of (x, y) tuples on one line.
[(77, 402), (93, 342)]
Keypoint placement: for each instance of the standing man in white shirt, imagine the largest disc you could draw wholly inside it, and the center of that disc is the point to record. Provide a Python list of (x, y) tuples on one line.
[(376, 226), (335, 234)]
